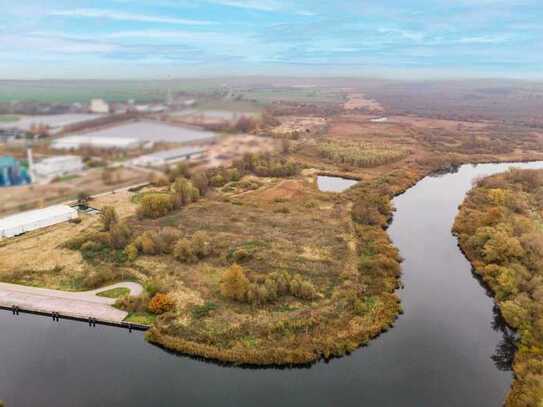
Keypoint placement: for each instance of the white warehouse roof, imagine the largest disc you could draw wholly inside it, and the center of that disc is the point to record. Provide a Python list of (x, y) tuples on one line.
[(38, 218), (74, 142), (167, 156)]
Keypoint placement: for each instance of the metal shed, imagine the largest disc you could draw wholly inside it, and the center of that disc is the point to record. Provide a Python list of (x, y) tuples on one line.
[(36, 219)]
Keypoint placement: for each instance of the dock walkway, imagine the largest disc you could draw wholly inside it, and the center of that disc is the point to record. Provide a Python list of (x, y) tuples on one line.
[(77, 305)]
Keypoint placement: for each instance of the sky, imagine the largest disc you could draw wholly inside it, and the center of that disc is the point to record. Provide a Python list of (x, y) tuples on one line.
[(183, 38)]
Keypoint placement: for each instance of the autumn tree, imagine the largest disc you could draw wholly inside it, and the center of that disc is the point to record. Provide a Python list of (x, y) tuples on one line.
[(234, 283), (108, 217)]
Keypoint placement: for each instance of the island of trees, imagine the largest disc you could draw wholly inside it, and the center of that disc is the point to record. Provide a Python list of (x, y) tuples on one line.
[(499, 227)]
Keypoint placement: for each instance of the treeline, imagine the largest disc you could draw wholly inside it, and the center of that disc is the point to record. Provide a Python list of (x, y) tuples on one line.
[(236, 286), (499, 229), (361, 155)]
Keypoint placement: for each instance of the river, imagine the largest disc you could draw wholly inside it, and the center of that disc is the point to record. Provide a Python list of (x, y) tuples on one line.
[(447, 349)]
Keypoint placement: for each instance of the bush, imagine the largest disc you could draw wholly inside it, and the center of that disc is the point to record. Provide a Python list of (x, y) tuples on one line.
[(161, 303), (185, 192), (201, 244), (183, 251), (156, 205), (120, 234), (200, 181), (234, 283), (131, 252), (202, 311), (109, 217)]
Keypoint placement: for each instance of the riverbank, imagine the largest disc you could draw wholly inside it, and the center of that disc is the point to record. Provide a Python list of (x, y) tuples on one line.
[(498, 228)]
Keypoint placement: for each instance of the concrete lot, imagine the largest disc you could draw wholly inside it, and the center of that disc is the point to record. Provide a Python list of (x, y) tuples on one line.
[(74, 304)]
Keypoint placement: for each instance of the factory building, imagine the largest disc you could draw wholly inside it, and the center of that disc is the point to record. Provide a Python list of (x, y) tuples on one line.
[(168, 157), (23, 222), (11, 172), (58, 166), (99, 106), (103, 143)]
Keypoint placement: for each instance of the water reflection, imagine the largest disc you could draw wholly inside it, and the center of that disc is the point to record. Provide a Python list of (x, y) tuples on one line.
[(504, 355)]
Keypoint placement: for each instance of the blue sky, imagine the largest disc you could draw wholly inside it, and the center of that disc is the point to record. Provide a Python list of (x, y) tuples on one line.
[(176, 38)]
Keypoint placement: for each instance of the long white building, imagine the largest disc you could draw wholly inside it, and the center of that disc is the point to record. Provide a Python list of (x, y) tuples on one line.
[(36, 219), (106, 143), (168, 157), (58, 166)]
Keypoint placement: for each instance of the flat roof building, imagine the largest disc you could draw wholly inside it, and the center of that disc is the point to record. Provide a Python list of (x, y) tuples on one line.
[(168, 157), (58, 166), (36, 219), (105, 143)]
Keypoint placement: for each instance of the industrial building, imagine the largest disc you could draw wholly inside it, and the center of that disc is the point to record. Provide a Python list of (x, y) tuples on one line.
[(104, 143), (58, 166), (11, 172), (23, 222), (99, 106), (8, 135), (167, 157)]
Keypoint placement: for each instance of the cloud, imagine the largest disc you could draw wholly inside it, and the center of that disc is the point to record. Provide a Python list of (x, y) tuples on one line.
[(122, 16)]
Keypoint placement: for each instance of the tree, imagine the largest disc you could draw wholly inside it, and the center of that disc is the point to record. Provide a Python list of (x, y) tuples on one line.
[(161, 303), (201, 244), (120, 235), (109, 217), (183, 251), (200, 181), (131, 252), (155, 205), (234, 283)]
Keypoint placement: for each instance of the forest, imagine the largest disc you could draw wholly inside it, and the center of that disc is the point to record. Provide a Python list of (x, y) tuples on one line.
[(500, 229)]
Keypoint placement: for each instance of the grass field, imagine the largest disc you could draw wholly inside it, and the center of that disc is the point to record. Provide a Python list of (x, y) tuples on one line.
[(8, 118), (114, 293)]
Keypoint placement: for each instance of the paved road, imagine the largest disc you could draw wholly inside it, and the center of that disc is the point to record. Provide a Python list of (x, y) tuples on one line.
[(76, 304)]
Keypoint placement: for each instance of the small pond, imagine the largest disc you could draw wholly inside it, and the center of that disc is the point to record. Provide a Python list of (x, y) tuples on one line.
[(334, 184)]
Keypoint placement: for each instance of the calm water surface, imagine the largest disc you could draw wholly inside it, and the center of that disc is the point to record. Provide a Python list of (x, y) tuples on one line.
[(445, 350), (334, 184)]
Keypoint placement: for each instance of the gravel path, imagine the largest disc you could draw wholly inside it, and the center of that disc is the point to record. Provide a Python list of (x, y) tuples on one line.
[(75, 304)]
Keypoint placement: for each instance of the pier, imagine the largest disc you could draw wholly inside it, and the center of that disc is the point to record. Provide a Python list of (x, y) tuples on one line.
[(84, 306)]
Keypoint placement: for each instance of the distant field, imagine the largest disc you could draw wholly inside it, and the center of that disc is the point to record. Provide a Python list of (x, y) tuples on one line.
[(8, 118), (71, 91)]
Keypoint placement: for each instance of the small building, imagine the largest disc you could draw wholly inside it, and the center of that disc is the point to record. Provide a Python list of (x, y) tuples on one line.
[(99, 106), (103, 143), (167, 157), (8, 135), (11, 172), (58, 166), (23, 222)]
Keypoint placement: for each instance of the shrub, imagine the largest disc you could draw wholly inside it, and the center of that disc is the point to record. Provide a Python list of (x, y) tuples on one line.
[(109, 217), (234, 283), (131, 252), (185, 192), (202, 311), (201, 244), (183, 251), (161, 303), (146, 244), (156, 205), (120, 234), (200, 181)]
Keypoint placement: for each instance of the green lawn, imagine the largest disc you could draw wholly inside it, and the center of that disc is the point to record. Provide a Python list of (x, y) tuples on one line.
[(142, 318), (115, 292), (8, 118)]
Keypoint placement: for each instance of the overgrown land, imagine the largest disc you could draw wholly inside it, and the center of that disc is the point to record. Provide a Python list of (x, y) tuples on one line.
[(500, 228), (251, 263)]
